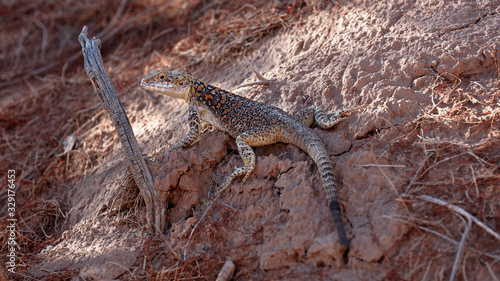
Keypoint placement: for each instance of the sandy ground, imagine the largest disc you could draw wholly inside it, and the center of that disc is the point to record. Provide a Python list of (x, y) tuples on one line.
[(429, 71)]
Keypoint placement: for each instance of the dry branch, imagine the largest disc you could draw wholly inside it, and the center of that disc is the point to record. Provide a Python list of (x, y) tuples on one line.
[(155, 211), (460, 211), (460, 250)]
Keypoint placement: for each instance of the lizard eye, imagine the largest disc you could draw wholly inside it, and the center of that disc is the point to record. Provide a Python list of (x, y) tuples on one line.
[(162, 77)]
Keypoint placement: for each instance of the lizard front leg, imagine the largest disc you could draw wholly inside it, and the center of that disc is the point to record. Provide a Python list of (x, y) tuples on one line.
[(187, 140), (316, 114), (256, 137)]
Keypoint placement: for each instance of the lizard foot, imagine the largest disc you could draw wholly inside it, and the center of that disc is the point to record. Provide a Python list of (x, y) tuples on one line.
[(238, 172), (164, 147), (346, 112)]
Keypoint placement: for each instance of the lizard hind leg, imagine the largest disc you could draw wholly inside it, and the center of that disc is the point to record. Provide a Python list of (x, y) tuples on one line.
[(316, 114), (326, 122), (255, 137), (306, 115), (248, 156)]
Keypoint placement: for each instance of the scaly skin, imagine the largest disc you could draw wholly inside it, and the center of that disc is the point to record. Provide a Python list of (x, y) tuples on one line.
[(252, 124)]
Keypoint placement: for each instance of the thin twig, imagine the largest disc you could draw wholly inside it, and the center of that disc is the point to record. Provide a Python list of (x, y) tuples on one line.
[(460, 249), (44, 38), (396, 192), (457, 210), (496, 257), (474, 180), (170, 247), (427, 156), (381, 165), (262, 79), (196, 225), (477, 83), (444, 160), (123, 267), (493, 275)]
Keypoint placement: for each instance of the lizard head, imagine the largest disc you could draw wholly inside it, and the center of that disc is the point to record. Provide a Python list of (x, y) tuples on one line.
[(175, 83)]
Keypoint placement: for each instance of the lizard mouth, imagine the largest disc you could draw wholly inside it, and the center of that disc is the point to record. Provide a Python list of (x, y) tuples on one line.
[(158, 87), (166, 88)]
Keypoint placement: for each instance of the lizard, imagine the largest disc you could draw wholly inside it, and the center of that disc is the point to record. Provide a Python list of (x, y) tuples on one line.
[(252, 124)]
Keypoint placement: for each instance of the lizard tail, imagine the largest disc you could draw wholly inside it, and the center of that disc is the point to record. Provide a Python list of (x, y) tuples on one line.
[(317, 151)]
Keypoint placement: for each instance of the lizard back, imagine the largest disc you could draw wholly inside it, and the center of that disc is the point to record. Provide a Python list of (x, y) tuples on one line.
[(233, 113)]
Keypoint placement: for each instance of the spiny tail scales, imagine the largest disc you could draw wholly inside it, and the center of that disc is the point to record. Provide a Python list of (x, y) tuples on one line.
[(317, 152), (306, 140)]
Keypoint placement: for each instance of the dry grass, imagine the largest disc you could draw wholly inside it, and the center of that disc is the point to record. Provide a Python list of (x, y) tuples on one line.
[(455, 148), (160, 260)]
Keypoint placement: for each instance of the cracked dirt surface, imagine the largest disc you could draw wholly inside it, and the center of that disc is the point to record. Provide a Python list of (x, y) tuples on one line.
[(429, 71)]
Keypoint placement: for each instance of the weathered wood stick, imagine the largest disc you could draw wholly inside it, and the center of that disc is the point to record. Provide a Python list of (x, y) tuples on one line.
[(155, 211)]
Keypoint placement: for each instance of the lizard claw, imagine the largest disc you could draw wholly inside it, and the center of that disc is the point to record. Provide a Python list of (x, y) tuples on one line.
[(348, 111), (160, 150)]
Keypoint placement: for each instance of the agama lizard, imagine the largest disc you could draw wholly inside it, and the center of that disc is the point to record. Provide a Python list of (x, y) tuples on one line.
[(252, 124)]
